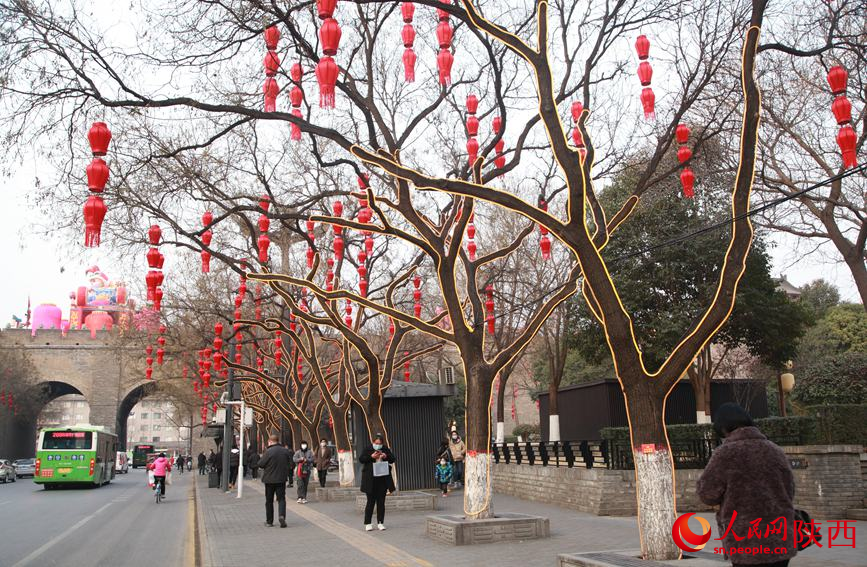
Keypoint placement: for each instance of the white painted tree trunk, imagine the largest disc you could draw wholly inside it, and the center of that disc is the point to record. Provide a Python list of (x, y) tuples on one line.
[(553, 428), (654, 475), (478, 476), (701, 417), (501, 432), (346, 471)]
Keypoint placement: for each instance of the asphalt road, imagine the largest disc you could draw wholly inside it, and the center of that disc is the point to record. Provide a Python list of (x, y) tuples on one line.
[(118, 524)]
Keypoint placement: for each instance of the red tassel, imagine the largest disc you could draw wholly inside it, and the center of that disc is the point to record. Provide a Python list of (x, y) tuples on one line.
[(409, 59), (94, 213)]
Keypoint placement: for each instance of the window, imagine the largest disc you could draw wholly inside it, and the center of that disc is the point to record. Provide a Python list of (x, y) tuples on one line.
[(67, 440), (156, 427), (144, 415), (78, 417), (155, 439), (65, 417), (158, 416), (144, 427)]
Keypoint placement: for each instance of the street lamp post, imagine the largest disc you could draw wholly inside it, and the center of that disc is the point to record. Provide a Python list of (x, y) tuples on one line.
[(229, 410), (228, 433)]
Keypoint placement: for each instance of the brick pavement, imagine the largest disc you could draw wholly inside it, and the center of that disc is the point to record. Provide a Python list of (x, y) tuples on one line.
[(234, 535)]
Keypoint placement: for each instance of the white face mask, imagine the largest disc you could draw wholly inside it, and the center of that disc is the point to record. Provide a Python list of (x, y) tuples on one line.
[(304, 446), (323, 444)]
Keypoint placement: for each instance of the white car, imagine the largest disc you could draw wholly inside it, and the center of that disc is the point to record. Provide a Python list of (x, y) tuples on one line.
[(7, 471), (121, 463)]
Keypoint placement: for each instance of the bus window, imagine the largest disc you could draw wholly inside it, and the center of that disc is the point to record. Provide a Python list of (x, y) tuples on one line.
[(67, 440)]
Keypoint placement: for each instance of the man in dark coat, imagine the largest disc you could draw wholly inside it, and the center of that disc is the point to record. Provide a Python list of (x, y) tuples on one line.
[(276, 463), (751, 480), (375, 487), (202, 461)]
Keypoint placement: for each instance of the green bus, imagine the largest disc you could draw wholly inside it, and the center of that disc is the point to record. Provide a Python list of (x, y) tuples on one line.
[(75, 455), (140, 455)]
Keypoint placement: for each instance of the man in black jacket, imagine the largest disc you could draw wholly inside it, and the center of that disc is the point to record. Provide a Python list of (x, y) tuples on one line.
[(276, 463)]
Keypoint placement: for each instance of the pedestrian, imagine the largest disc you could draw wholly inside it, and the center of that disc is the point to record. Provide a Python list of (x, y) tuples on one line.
[(252, 458), (234, 463), (291, 469), (180, 463), (276, 464), (303, 460), (444, 451), (202, 462), (323, 461), (443, 475), (216, 462), (376, 480), (189, 461), (751, 480), (458, 451)]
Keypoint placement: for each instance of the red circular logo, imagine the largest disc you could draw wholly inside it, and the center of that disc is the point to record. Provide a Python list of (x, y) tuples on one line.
[(681, 531)]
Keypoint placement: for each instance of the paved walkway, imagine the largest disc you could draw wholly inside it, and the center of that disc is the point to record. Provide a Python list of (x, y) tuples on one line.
[(233, 534)]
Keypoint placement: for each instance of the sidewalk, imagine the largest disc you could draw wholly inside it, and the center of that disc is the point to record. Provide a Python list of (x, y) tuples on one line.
[(233, 534)]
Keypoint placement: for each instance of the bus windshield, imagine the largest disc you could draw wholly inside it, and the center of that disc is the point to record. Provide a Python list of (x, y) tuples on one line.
[(67, 440)]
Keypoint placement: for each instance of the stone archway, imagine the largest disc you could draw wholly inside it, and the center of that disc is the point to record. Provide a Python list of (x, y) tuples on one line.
[(133, 397)]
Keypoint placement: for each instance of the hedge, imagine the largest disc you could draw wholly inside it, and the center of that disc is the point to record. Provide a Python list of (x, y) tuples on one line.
[(840, 423), (794, 430)]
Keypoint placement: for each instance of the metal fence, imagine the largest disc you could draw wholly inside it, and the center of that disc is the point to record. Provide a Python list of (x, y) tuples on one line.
[(691, 454)]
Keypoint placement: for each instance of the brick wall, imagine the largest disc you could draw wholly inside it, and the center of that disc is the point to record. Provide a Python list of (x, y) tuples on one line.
[(828, 485)]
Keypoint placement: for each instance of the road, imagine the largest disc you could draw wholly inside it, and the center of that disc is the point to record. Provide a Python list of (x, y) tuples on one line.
[(116, 524)]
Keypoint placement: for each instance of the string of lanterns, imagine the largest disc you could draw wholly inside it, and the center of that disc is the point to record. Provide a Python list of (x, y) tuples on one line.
[(842, 109), (329, 37), (684, 154), (577, 137), (544, 241), (99, 137), (472, 128), (264, 224), (499, 159), (407, 34), (207, 219), (296, 97), (155, 276), (445, 33), (272, 65), (645, 74)]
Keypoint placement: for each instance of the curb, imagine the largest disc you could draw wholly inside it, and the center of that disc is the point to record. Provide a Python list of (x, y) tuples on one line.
[(202, 557)]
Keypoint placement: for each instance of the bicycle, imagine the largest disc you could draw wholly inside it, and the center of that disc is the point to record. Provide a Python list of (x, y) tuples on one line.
[(158, 490)]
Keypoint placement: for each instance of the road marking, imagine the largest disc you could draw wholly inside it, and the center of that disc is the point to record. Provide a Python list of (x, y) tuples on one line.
[(377, 549), (54, 541)]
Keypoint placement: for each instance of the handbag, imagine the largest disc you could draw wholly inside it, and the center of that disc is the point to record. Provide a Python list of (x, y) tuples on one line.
[(805, 535), (303, 470), (380, 468)]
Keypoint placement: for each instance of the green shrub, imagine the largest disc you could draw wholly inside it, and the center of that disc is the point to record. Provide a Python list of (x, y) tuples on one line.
[(797, 430), (526, 431), (840, 423)]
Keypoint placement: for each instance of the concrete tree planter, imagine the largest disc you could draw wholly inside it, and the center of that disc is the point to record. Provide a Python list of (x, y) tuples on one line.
[(458, 530), (402, 501), (632, 558)]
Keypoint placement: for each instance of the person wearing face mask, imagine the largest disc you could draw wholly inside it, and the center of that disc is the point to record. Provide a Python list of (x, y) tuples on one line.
[(375, 460), (443, 475), (458, 451), (323, 460), (303, 460)]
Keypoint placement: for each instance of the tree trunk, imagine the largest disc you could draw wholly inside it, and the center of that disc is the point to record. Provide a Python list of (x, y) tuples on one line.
[(859, 274), (553, 412), (346, 463), (700, 374), (501, 407), (477, 465), (295, 426), (654, 469)]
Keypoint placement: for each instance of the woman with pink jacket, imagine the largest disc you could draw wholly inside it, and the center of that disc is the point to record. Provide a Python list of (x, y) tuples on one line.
[(160, 466)]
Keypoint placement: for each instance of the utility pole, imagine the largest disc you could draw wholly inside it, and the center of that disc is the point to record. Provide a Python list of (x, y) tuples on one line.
[(228, 426)]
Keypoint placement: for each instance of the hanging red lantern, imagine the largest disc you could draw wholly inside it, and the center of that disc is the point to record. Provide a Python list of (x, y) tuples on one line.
[(149, 350), (264, 223), (99, 137), (218, 329), (471, 231), (497, 124), (472, 149), (445, 33), (577, 109), (270, 90), (160, 354), (545, 247), (842, 109), (271, 63), (362, 271), (473, 126), (642, 46), (687, 180), (154, 234), (329, 36), (158, 298), (368, 244), (325, 8), (445, 59), (489, 307), (162, 330), (390, 327), (338, 247), (310, 257), (577, 138), (472, 102), (847, 139), (683, 154), (94, 213), (272, 37), (645, 73), (296, 73), (338, 208), (296, 96), (442, 15), (407, 10), (206, 261), (471, 249), (278, 357), (409, 59), (362, 287), (153, 257), (407, 34), (97, 175), (207, 218), (149, 372), (326, 75), (149, 361), (837, 79), (647, 102)]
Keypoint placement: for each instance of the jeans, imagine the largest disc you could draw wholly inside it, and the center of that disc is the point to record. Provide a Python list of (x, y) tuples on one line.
[(458, 475), (444, 486), (303, 481), (201, 469), (273, 489), (322, 474), (233, 474), (377, 498)]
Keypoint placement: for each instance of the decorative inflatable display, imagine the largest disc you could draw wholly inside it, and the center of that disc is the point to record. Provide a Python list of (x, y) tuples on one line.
[(100, 305)]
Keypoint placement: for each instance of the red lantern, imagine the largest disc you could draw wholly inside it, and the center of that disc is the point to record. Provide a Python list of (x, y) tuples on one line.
[(278, 356), (99, 137), (149, 361), (153, 257), (368, 245), (577, 109), (473, 126), (160, 354), (683, 154), (577, 137), (407, 34), (149, 372), (310, 256), (647, 102), (338, 247), (362, 287), (264, 223), (296, 96), (409, 59), (295, 129), (687, 180), (158, 298), (390, 327), (338, 208), (846, 139), (445, 33), (472, 103), (444, 66), (272, 37), (149, 350), (407, 10), (264, 242), (326, 74), (218, 329), (442, 14), (473, 149), (296, 72), (837, 79), (497, 124), (842, 109), (325, 8), (206, 261), (681, 133), (97, 175), (270, 90), (545, 246), (207, 218), (471, 231), (272, 63), (500, 161), (645, 73), (489, 307), (94, 213), (154, 234), (471, 249), (329, 36), (642, 46)]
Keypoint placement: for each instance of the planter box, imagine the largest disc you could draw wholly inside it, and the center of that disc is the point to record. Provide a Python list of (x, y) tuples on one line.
[(402, 501), (457, 530)]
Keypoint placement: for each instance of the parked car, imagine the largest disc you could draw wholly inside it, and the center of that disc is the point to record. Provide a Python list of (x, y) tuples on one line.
[(7, 471), (24, 467), (121, 463)]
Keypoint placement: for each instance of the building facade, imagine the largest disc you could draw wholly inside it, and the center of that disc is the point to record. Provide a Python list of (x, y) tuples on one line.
[(158, 422)]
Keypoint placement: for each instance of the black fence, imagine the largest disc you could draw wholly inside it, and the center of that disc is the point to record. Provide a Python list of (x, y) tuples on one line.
[(692, 454)]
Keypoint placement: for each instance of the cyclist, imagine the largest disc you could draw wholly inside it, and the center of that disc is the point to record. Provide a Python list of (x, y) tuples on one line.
[(160, 466)]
